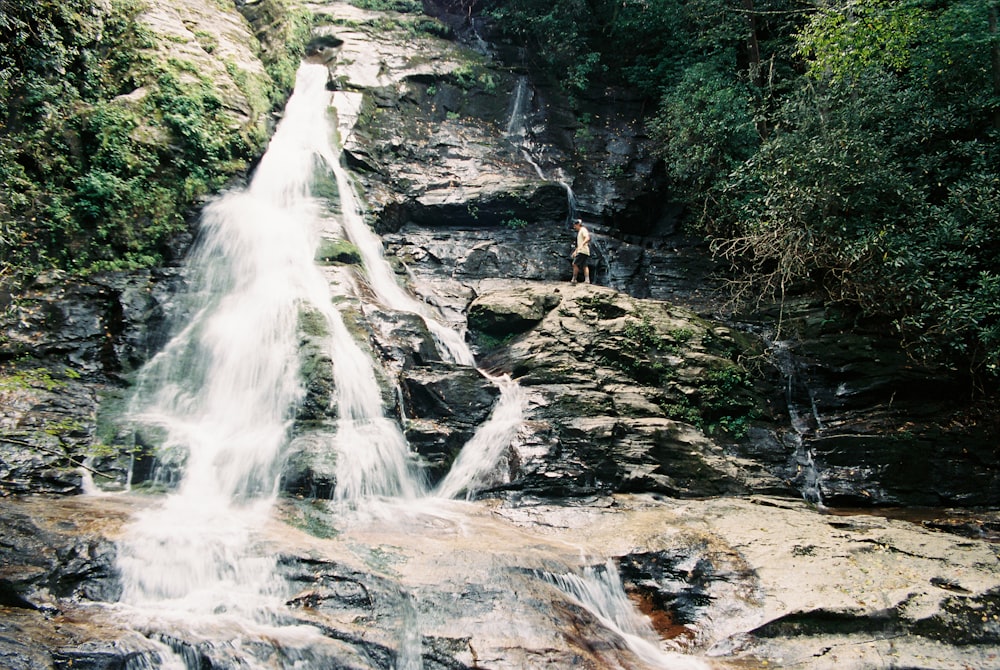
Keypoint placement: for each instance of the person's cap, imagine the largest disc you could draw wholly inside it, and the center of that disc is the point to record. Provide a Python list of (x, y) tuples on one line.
[(577, 222)]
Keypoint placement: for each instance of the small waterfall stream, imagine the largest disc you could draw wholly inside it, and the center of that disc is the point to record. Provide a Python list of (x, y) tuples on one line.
[(599, 590), (518, 135), (221, 398), (804, 420)]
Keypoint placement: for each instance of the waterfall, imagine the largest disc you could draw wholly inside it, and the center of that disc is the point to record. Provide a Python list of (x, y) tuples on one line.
[(804, 420), (517, 133), (479, 457), (199, 584), (599, 590), (481, 454), (222, 393)]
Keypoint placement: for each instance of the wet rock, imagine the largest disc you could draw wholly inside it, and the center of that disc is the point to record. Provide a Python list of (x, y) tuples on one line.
[(444, 406), (402, 339), (879, 429), (673, 582), (18, 652), (41, 562), (310, 468), (620, 396), (511, 313), (318, 407)]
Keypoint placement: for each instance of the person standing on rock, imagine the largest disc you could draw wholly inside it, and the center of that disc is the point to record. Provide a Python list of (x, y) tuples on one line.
[(581, 253)]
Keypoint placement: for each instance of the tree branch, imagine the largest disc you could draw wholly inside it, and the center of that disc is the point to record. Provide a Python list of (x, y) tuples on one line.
[(22, 443)]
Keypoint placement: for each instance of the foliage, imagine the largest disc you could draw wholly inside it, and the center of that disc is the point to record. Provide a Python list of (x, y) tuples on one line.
[(516, 224), (554, 31), (104, 149), (705, 127), (949, 271), (642, 43), (849, 146), (840, 43), (402, 6), (642, 335), (879, 182), (722, 399)]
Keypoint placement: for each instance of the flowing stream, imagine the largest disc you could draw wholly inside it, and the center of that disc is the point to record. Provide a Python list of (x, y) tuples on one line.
[(220, 400), (518, 135)]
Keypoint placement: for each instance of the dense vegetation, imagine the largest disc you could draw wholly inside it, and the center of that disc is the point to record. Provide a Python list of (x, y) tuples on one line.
[(105, 145), (847, 146)]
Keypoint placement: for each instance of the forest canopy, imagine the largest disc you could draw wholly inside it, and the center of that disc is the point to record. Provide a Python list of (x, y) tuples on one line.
[(842, 146)]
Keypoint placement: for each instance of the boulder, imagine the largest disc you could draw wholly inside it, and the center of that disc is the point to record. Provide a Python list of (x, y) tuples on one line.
[(622, 392), (513, 312)]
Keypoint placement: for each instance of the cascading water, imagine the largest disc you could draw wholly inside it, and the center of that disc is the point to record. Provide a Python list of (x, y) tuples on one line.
[(599, 590), (223, 391), (484, 450), (379, 272), (804, 420), (517, 134), (221, 394), (486, 447)]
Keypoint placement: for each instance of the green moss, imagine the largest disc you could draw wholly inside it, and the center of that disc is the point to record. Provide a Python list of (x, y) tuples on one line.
[(312, 323), (314, 518), (403, 6), (486, 342), (722, 399), (338, 251), (206, 40), (106, 155), (284, 28), (429, 26), (324, 186), (474, 74)]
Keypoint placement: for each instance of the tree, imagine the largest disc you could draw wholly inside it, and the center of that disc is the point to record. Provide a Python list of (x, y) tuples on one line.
[(880, 182)]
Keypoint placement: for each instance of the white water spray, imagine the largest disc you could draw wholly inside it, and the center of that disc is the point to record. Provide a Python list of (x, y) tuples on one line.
[(482, 453)]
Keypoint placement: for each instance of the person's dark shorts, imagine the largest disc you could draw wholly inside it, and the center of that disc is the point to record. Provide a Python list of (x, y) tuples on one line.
[(581, 260)]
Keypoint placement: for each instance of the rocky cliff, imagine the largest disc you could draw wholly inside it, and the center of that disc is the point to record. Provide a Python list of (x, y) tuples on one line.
[(678, 438)]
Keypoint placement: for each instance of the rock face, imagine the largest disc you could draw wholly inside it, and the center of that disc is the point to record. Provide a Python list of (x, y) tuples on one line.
[(67, 353), (621, 391), (879, 429), (730, 582), (214, 40), (659, 440)]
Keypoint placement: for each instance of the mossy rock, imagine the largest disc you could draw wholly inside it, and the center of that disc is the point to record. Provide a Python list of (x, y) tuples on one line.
[(333, 251)]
